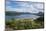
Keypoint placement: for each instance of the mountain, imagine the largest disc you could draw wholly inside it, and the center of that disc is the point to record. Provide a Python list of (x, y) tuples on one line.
[(12, 13), (40, 14)]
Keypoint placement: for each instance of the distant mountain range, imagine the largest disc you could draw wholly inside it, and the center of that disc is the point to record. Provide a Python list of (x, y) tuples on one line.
[(12, 13), (39, 14)]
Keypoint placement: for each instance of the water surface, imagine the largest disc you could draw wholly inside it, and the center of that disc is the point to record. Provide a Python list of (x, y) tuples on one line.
[(23, 16)]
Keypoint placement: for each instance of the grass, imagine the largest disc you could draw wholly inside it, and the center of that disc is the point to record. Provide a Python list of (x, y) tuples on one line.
[(21, 24)]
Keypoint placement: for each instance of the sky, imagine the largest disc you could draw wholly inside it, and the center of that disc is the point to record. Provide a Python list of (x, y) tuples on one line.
[(24, 6)]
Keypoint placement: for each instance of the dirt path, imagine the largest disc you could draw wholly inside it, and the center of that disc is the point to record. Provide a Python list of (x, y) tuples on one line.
[(8, 29)]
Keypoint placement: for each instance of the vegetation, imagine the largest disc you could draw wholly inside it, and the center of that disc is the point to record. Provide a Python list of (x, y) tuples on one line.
[(19, 24), (40, 20)]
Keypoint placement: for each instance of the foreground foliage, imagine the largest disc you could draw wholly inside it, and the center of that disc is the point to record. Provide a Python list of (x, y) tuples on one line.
[(18, 24)]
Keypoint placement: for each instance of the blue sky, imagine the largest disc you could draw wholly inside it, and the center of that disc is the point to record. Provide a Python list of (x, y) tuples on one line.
[(24, 6)]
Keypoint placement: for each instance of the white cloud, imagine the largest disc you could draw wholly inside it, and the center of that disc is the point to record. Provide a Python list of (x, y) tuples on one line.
[(38, 6), (31, 10), (9, 8), (26, 7), (29, 0)]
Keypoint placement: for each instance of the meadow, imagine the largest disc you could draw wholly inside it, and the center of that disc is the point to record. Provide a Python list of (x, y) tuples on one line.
[(21, 24)]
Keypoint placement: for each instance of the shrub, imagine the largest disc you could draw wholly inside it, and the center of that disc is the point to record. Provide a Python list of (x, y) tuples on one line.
[(18, 24)]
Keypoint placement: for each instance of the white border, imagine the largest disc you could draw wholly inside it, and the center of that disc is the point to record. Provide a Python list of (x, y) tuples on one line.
[(2, 15)]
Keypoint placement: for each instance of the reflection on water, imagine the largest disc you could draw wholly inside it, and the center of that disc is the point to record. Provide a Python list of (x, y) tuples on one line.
[(23, 16)]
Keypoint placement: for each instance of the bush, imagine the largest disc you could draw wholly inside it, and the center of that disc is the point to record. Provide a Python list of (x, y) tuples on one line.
[(18, 24)]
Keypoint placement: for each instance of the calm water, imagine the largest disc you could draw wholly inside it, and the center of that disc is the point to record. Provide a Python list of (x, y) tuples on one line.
[(23, 16)]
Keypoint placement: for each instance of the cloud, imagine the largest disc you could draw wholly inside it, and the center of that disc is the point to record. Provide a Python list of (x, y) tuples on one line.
[(38, 6), (24, 6), (28, 0)]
